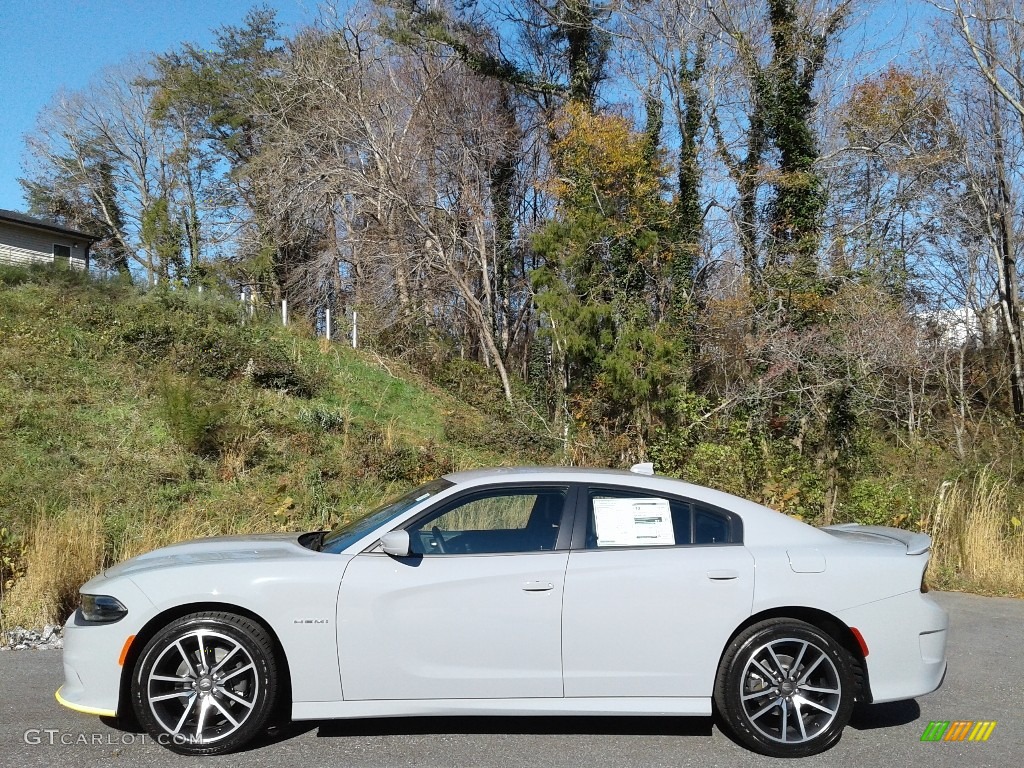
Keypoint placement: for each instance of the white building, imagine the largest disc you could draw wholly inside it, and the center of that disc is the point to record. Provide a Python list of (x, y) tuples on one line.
[(26, 240), (962, 325)]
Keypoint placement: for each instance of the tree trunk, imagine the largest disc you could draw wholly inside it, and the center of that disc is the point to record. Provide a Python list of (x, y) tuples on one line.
[(1004, 246)]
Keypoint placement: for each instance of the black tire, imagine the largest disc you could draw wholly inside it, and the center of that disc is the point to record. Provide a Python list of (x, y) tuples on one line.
[(785, 688), (214, 687)]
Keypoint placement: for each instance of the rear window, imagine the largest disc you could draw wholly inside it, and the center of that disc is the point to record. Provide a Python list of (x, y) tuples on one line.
[(622, 517)]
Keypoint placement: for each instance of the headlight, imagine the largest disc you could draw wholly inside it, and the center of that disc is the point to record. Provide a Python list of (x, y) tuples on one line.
[(102, 608)]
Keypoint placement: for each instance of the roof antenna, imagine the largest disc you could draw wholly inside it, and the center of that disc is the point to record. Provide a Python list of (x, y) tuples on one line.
[(647, 468)]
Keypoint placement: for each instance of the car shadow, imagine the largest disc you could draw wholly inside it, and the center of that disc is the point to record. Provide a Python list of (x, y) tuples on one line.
[(865, 717), (868, 717), (125, 724), (272, 735), (540, 725)]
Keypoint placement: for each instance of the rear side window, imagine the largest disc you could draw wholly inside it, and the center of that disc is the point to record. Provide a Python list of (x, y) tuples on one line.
[(709, 527), (620, 517)]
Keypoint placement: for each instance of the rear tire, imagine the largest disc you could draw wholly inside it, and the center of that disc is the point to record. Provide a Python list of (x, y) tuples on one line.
[(785, 688), (206, 683)]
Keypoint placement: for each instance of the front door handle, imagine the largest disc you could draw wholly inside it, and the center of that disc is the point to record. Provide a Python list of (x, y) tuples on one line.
[(537, 586), (723, 575)]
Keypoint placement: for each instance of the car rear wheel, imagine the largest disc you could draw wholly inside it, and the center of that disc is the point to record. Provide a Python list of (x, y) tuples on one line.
[(785, 688), (205, 684)]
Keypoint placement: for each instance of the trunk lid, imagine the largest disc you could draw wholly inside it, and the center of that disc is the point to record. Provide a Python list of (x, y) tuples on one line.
[(912, 543)]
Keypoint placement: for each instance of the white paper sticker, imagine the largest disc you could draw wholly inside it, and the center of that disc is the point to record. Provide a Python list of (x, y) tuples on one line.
[(633, 522)]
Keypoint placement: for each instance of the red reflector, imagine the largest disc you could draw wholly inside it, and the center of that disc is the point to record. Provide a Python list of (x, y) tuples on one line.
[(860, 641)]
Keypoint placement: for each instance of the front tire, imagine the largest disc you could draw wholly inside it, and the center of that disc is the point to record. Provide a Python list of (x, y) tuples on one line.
[(206, 683), (785, 688)]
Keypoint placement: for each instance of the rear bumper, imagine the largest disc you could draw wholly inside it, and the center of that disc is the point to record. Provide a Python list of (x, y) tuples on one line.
[(906, 640)]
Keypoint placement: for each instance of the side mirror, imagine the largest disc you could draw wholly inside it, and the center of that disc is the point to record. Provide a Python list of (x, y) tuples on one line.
[(395, 543)]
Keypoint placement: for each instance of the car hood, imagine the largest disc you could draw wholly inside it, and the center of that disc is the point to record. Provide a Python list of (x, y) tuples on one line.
[(272, 546)]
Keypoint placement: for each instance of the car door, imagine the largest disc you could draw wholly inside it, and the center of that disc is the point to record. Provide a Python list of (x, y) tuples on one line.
[(473, 612), (654, 587)]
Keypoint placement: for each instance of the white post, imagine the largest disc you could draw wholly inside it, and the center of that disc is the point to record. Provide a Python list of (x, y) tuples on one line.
[(284, 311), (355, 329), (327, 323)]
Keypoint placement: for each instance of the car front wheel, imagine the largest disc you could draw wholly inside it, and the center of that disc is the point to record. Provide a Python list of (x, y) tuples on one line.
[(205, 684), (785, 688)]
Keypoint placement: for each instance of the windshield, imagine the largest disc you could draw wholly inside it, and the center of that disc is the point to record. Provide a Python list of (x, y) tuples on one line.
[(345, 535)]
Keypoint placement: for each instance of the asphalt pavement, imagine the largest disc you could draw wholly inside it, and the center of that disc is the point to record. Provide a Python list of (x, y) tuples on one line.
[(985, 681)]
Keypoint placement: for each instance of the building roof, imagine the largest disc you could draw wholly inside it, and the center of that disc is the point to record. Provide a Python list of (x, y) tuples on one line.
[(14, 217)]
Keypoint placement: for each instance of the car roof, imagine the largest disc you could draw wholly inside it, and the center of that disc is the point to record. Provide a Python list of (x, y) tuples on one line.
[(501, 473)]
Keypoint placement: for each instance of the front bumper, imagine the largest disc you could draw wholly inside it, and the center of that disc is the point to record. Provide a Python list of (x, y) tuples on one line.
[(906, 640), (92, 674), (93, 654)]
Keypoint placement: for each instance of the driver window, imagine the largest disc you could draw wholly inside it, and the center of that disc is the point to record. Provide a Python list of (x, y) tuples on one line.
[(490, 522)]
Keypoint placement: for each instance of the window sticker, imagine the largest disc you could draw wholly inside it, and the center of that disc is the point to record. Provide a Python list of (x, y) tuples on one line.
[(633, 522)]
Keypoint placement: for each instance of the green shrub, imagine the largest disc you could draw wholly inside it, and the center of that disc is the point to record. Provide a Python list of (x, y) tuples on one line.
[(273, 368), (206, 339), (198, 423), (148, 337), (380, 453), (471, 382), (11, 276), (323, 417), (501, 435), (213, 351), (716, 465), (876, 502), (45, 274)]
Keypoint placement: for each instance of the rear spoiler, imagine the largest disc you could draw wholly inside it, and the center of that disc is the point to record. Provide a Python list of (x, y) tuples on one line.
[(916, 543)]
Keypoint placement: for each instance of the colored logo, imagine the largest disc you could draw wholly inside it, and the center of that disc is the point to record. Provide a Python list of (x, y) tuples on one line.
[(958, 730)]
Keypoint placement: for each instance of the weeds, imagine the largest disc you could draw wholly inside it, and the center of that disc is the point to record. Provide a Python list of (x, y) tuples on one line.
[(977, 537), (62, 554)]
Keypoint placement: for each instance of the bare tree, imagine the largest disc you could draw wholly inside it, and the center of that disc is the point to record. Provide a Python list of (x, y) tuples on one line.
[(396, 152), (991, 34), (137, 176)]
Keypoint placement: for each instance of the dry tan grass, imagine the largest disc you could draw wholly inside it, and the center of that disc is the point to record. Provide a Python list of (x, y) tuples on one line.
[(64, 552), (978, 539), (157, 531)]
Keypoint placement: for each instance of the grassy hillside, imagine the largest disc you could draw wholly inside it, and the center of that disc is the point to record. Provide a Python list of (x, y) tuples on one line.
[(129, 421)]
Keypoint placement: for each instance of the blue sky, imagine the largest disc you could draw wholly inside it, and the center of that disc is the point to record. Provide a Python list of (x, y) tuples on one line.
[(46, 45), (49, 44)]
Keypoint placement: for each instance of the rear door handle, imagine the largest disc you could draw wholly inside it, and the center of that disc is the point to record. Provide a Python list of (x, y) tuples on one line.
[(537, 586), (723, 575)]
